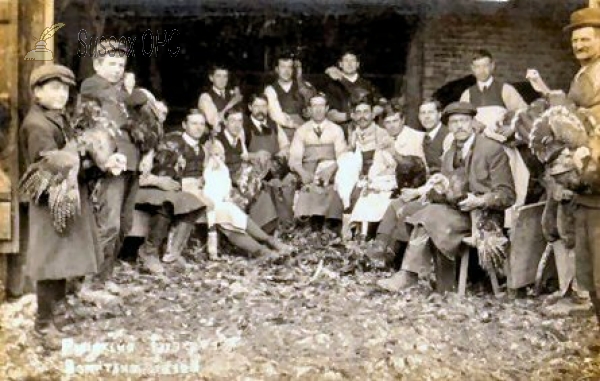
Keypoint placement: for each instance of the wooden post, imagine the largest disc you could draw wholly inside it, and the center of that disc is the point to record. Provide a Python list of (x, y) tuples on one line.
[(21, 25), (415, 71)]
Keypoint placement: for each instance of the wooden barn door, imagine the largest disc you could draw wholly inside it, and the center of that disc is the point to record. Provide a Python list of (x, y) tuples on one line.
[(21, 24)]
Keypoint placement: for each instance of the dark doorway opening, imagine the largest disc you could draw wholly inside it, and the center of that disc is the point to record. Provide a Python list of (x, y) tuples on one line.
[(249, 43)]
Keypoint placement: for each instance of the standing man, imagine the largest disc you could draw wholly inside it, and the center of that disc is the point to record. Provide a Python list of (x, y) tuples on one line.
[(348, 87), (114, 196), (491, 97), (219, 98), (585, 92), (285, 96), (313, 154)]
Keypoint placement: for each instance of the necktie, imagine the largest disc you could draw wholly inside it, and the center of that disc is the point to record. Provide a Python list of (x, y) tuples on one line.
[(318, 130), (427, 140), (458, 156)]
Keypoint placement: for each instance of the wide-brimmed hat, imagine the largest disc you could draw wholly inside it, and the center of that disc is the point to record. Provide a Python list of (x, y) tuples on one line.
[(47, 72), (584, 17), (463, 108)]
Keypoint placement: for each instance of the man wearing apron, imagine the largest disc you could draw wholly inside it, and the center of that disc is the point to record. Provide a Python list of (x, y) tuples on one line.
[(313, 154)]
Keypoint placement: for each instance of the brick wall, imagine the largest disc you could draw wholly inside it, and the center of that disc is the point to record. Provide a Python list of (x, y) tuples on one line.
[(516, 42)]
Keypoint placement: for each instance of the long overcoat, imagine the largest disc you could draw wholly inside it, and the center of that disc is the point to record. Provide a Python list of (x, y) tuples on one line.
[(53, 255)]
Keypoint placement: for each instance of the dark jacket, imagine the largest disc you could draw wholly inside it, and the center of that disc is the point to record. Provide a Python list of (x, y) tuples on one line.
[(112, 100), (51, 255), (265, 140), (433, 149), (488, 172)]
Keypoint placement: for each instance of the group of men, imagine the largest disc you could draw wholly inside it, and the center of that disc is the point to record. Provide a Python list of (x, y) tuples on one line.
[(333, 159)]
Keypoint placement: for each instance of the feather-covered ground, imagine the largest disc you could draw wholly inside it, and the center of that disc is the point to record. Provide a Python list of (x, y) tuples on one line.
[(315, 315)]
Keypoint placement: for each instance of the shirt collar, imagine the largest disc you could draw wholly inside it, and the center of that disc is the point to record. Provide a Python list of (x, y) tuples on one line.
[(190, 141), (257, 123), (367, 131), (230, 138), (466, 148), (286, 86), (220, 92), (434, 131), (352, 78), (486, 84)]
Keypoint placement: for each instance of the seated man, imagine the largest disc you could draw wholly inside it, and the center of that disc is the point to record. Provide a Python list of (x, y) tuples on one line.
[(245, 174), (268, 143), (476, 180), (313, 154), (407, 140), (173, 189), (247, 170), (393, 232), (372, 163), (176, 162)]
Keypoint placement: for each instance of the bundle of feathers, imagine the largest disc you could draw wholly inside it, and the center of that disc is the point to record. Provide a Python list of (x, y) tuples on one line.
[(54, 178), (561, 125), (491, 243), (144, 123), (249, 182), (445, 190)]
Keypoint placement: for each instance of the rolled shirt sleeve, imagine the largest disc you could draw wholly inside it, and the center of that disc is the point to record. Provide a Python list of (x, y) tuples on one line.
[(297, 150), (275, 111), (206, 105), (512, 99)]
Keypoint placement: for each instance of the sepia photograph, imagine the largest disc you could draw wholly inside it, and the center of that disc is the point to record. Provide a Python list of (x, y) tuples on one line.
[(300, 190)]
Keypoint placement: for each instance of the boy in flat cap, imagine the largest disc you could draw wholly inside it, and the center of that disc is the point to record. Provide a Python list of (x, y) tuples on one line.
[(52, 256), (114, 196)]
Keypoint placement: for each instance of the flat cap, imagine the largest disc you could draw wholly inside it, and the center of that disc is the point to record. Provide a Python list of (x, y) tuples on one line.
[(51, 71), (110, 47), (463, 108), (584, 17)]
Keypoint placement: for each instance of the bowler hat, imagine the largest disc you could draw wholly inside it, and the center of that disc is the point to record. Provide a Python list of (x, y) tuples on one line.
[(584, 17), (464, 108), (107, 47), (47, 72)]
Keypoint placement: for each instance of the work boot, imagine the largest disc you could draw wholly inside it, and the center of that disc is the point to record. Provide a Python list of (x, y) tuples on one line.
[(177, 241), (279, 246), (49, 336), (265, 255), (379, 250), (401, 280), (149, 258)]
